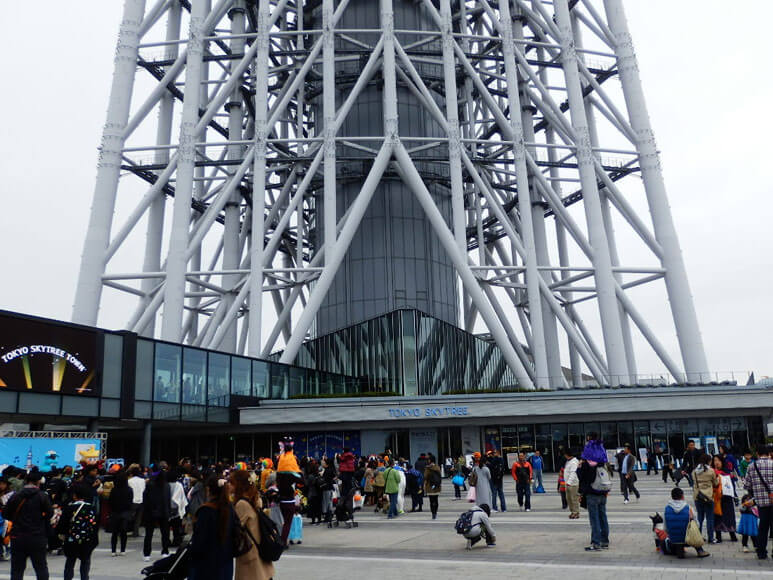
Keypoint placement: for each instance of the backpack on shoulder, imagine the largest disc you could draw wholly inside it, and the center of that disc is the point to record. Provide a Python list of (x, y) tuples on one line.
[(83, 526), (463, 525), (602, 482)]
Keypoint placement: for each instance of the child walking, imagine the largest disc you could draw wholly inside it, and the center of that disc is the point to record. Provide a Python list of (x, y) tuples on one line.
[(749, 523)]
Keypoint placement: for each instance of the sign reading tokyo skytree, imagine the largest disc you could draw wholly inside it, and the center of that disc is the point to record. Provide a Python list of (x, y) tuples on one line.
[(46, 358)]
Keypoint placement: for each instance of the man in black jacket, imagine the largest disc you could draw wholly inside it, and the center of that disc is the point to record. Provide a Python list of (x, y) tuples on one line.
[(29, 510), (689, 462)]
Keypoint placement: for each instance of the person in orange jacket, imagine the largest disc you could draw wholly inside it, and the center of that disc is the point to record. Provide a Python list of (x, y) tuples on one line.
[(522, 474)]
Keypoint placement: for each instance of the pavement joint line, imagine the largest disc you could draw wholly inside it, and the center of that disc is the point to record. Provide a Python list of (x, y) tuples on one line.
[(522, 563)]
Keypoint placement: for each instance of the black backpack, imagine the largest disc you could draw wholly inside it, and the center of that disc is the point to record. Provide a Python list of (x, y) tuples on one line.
[(83, 527), (270, 547), (464, 523)]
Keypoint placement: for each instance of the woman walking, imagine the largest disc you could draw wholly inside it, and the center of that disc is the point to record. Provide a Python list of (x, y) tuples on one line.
[(482, 477), (326, 486), (247, 502), (432, 483), (211, 545), (705, 481), (724, 517), (121, 503)]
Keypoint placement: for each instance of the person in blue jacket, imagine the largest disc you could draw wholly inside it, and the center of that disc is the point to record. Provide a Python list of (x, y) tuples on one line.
[(677, 517), (537, 465)]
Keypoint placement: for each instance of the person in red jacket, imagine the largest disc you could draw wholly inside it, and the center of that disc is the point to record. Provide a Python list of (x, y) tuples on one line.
[(522, 474), (346, 471)]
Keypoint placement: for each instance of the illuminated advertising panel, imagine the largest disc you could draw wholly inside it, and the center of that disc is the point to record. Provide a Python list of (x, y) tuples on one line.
[(46, 357)]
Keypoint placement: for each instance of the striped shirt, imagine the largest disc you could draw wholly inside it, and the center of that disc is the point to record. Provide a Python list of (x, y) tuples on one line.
[(760, 470)]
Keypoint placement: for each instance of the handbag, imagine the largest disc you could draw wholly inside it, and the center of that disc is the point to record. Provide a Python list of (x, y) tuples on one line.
[(471, 495), (458, 480), (727, 486), (473, 478), (693, 536)]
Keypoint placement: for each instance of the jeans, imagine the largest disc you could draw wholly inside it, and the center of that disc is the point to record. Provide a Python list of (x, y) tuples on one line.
[(766, 513), (652, 464), (524, 494), (417, 500), (457, 491), (72, 554), (392, 513), (498, 491), (597, 514), (686, 475), (163, 527), (537, 479), (33, 548), (705, 510)]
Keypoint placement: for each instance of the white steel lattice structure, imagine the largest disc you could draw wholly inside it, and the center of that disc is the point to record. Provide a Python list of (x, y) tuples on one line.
[(507, 128)]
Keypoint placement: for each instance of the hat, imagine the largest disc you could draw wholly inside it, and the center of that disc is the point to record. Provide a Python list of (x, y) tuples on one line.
[(240, 466), (115, 467), (476, 455)]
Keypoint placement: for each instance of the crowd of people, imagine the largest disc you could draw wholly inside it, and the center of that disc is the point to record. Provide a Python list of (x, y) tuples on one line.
[(220, 505)]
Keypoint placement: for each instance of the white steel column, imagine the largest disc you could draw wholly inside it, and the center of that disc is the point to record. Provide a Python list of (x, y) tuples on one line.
[(259, 182), (155, 230), (677, 285), (539, 352), (174, 290), (231, 245), (89, 289), (328, 112), (605, 281)]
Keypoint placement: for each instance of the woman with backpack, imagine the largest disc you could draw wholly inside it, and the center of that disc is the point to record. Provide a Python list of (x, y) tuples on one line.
[(432, 482), (247, 502), (80, 528), (121, 503), (211, 547)]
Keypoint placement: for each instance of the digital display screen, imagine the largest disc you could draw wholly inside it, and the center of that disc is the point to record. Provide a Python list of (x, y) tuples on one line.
[(46, 357)]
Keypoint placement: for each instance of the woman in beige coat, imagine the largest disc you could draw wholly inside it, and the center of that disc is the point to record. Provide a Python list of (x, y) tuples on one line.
[(249, 566)]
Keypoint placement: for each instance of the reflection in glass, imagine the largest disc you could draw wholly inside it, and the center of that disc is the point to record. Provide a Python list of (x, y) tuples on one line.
[(218, 379), (240, 376), (259, 379), (194, 376), (166, 387)]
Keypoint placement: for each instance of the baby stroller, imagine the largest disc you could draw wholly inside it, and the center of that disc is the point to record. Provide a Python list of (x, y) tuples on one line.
[(174, 567), (346, 507)]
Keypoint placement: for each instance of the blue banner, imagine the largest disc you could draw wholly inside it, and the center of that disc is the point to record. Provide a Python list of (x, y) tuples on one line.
[(352, 441), (334, 443), (45, 453)]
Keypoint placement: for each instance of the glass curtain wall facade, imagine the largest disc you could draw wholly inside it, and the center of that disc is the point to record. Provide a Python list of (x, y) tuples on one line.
[(407, 352)]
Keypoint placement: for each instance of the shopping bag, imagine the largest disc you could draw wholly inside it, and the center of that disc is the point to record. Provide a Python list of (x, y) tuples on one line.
[(471, 496), (296, 529), (458, 480), (358, 501), (727, 485), (693, 536), (539, 489)]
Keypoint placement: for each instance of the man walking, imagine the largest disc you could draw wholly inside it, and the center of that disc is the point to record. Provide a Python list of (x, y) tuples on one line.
[(652, 461), (689, 462), (759, 482), (537, 464), (628, 475), (29, 510), (522, 474), (496, 466)]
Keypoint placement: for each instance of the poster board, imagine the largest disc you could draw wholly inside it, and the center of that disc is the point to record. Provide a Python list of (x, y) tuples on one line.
[(47, 453)]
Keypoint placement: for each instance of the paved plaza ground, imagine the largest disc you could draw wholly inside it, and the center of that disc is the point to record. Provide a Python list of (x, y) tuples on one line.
[(540, 544)]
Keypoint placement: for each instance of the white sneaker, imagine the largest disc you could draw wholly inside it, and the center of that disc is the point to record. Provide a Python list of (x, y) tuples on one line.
[(528, 509), (114, 554), (146, 558), (122, 553), (745, 550), (625, 501)]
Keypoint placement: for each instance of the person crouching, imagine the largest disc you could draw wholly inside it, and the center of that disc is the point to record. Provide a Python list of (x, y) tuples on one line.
[(480, 528), (677, 516)]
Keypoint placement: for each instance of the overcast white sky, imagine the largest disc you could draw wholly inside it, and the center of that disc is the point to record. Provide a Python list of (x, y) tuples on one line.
[(706, 77)]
